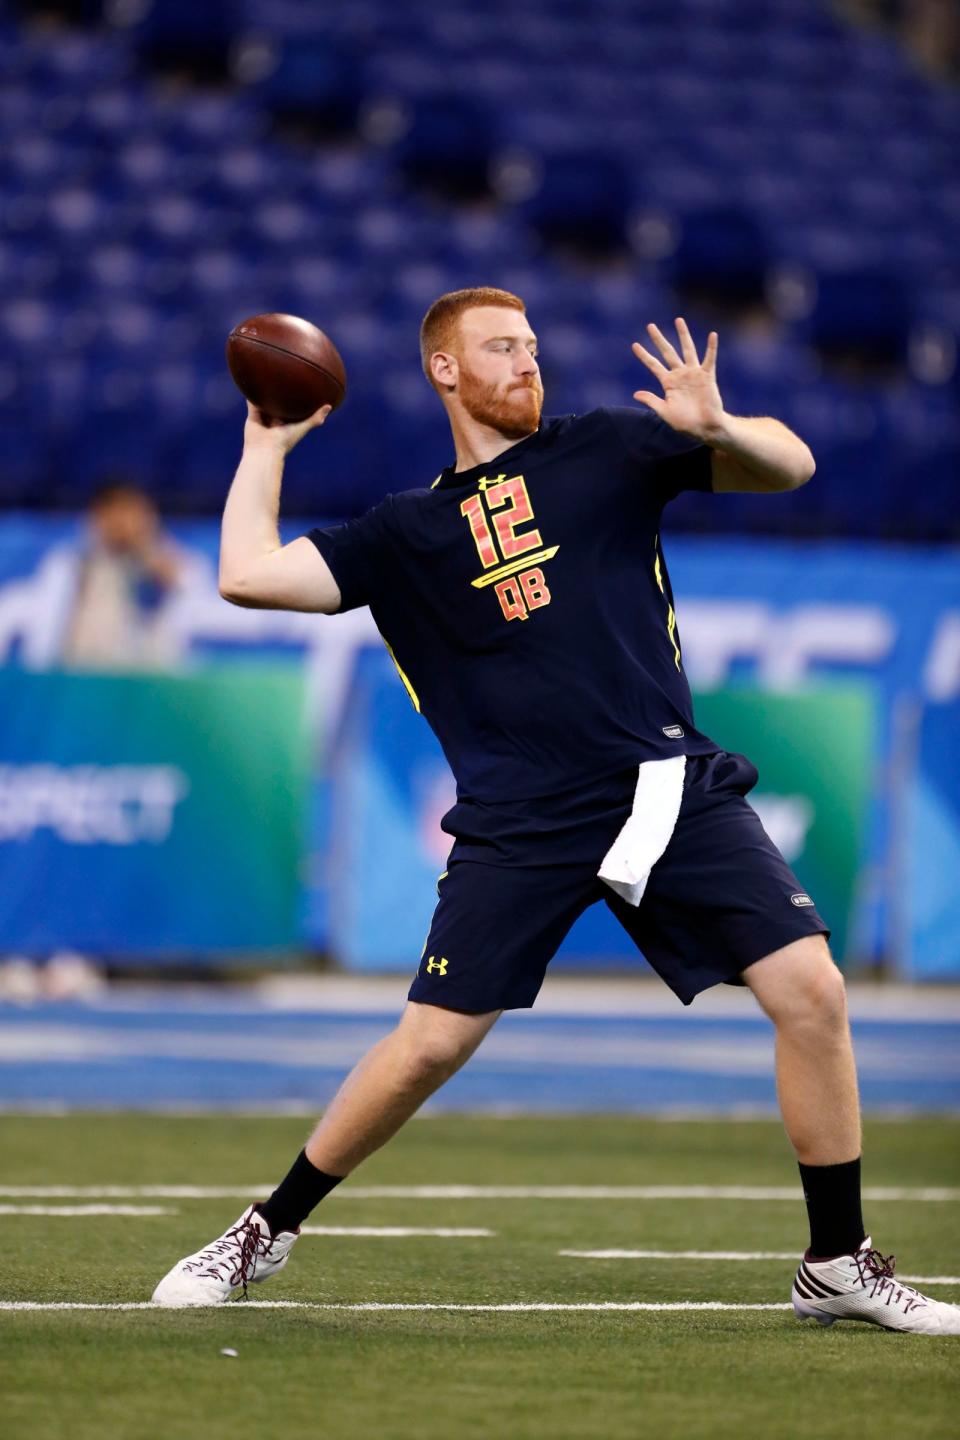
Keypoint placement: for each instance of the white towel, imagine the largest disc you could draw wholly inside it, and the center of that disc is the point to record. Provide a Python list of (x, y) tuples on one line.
[(646, 834)]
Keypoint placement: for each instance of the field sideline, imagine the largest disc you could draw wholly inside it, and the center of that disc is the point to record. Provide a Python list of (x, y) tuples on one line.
[(429, 1238)]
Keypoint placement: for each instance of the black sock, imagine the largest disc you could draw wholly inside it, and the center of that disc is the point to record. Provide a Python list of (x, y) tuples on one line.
[(302, 1188), (832, 1193)]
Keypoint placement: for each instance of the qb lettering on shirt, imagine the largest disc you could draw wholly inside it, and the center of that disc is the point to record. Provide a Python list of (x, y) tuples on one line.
[(508, 558)]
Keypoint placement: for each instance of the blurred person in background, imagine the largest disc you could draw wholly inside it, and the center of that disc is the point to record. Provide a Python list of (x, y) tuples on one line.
[(127, 571)]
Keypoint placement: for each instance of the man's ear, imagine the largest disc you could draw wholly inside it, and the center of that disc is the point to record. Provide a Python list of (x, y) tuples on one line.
[(444, 369)]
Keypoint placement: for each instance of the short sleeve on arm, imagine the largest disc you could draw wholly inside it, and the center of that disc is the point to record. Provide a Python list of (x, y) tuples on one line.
[(674, 462), (357, 553)]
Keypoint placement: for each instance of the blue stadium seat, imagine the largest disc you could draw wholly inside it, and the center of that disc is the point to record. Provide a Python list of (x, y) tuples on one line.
[(182, 35), (24, 452), (316, 79), (922, 493), (448, 145), (106, 443), (720, 249), (579, 198), (860, 311)]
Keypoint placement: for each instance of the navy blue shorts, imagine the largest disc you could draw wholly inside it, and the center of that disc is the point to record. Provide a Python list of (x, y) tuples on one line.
[(719, 898)]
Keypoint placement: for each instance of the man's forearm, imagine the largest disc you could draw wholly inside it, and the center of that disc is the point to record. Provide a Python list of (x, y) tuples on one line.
[(764, 450), (256, 570), (249, 529)]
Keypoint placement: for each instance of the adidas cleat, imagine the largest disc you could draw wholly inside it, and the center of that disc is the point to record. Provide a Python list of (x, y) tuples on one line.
[(246, 1254), (863, 1287)]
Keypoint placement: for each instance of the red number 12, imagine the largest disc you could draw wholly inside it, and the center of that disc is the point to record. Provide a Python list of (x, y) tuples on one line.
[(514, 493)]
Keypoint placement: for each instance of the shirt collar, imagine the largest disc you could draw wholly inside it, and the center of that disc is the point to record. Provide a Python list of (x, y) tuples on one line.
[(451, 478)]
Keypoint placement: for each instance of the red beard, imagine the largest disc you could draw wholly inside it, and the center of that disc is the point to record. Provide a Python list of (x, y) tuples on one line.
[(513, 413)]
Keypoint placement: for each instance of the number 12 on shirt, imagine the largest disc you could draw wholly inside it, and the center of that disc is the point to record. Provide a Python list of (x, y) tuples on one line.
[(503, 553)]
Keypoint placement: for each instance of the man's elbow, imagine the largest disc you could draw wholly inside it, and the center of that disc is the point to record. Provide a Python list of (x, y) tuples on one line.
[(809, 465), (804, 469), (235, 590)]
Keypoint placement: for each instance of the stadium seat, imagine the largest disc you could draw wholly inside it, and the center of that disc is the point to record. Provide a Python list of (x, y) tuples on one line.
[(721, 251), (182, 36), (861, 312), (579, 199), (315, 81), (448, 145)]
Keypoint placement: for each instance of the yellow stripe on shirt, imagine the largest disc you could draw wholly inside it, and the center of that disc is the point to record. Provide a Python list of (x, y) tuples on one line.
[(414, 697)]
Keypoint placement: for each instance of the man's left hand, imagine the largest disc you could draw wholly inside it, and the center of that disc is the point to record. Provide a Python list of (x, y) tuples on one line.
[(690, 402)]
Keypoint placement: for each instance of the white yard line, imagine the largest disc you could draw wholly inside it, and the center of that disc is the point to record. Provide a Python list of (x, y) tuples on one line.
[(731, 1255), (72, 1211), (373, 1307), (130, 1192), (393, 1232), (623, 1192), (472, 1192), (681, 1254)]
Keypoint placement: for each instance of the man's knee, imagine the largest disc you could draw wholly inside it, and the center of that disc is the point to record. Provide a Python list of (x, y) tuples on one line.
[(437, 1041), (801, 985), (824, 993)]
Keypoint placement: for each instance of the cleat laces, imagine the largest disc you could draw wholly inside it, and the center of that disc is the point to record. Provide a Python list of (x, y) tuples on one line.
[(232, 1257), (877, 1271)]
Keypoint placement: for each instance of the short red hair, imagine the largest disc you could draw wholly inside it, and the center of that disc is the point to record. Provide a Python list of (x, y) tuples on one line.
[(439, 328)]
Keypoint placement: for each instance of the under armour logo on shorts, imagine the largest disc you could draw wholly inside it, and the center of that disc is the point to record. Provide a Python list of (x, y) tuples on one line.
[(438, 964)]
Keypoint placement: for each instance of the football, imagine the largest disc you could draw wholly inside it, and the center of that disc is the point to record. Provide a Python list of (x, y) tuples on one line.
[(285, 366)]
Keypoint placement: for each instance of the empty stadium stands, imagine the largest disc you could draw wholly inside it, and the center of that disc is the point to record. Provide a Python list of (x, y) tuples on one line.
[(169, 168)]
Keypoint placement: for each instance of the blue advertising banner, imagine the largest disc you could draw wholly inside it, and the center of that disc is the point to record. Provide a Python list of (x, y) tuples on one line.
[(932, 889), (151, 816)]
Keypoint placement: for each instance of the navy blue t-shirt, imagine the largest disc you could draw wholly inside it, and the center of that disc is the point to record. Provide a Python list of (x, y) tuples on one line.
[(527, 606)]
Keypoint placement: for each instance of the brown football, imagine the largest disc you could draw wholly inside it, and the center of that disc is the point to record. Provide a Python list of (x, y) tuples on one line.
[(285, 366)]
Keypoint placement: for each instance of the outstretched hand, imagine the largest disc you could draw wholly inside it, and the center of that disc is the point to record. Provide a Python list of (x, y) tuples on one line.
[(690, 402)]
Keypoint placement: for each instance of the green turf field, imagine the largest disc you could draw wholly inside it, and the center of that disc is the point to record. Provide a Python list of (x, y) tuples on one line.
[(132, 1375)]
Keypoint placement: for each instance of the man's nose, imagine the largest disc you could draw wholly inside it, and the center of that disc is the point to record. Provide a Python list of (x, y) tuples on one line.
[(526, 364)]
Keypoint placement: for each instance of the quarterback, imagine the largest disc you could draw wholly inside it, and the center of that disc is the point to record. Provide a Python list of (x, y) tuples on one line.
[(525, 600)]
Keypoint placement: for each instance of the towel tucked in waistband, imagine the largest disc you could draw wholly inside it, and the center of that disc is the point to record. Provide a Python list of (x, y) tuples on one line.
[(646, 834)]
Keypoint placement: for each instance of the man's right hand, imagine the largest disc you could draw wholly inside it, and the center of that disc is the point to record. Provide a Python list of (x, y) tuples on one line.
[(260, 430)]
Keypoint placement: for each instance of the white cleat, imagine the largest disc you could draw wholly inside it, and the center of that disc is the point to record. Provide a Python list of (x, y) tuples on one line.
[(245, 1254), (863, 1287)]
